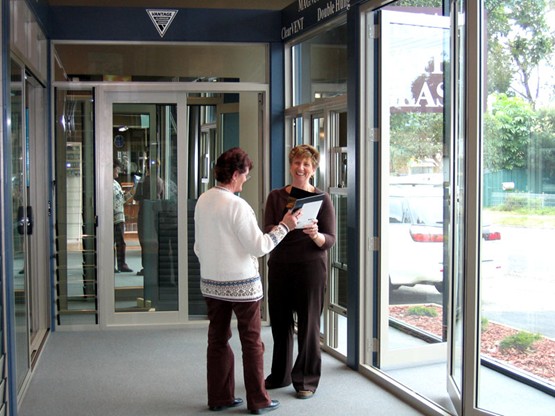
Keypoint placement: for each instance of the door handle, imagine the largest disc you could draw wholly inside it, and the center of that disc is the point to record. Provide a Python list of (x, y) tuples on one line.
[(25, 220), (30, 220)]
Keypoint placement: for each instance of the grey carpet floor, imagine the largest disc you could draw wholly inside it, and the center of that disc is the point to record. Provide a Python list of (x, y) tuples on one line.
[(161, 372)]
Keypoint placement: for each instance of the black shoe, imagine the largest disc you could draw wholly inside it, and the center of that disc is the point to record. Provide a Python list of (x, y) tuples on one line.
[(236, 402), (274, 404), (116, 271), (271, 386), (141, 272), (125, 269)]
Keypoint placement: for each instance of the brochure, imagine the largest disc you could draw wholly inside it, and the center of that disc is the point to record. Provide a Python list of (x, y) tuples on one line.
[(310, 207)]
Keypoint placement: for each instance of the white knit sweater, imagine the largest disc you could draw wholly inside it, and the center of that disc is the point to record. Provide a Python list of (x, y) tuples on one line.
[(228, 242)]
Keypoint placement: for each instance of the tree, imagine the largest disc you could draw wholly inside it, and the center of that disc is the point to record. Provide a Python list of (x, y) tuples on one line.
[(519, 41), (415, 136), (508, 130), (544, 135)]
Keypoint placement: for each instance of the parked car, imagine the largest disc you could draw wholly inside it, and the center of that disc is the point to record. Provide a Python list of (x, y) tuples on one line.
[(416, 234)]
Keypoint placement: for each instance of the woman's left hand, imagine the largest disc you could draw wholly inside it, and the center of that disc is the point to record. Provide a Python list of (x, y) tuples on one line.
[(312, 229)]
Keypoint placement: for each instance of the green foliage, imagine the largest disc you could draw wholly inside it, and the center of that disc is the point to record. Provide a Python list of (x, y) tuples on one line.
[(484, 324), (544, 135), (500, 74), (523, 203), (543, 218), (544, 128), (521, 341), (519, 39), (415, 136), (508, 129), (420, 310)]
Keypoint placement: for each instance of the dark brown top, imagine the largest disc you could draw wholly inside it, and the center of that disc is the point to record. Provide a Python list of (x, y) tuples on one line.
[(298, 247)]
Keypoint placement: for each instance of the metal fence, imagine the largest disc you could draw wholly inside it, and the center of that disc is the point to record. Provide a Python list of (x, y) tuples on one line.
[(518, 188)]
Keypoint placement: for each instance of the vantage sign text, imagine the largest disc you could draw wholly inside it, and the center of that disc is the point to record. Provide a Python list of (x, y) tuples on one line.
[(304, 14)]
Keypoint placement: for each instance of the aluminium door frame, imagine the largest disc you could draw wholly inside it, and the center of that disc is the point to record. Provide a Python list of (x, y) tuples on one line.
[(164, 93)]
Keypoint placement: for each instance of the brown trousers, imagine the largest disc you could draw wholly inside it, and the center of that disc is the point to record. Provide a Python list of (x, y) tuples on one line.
[(220, 358), (296, 288)]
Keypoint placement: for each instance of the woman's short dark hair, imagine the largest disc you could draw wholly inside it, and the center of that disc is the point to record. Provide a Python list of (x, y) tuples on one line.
[(230, 161), (305, 151)]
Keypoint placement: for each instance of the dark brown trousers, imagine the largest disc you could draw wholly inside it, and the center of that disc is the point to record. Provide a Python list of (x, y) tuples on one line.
[(300, 288), (220, 358), (119, 230)]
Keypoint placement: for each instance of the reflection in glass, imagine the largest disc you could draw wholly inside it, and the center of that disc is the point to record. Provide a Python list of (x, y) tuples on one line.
[(459, 187), (75, 243), (415, 231), (145, 188), (318, 142), (297, 133), (319, 66), (518, 208), (338, 284), (165, 62), (19, 203)]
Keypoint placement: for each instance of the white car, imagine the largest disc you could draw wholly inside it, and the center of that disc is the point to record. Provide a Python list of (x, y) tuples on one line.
[(416, 233)]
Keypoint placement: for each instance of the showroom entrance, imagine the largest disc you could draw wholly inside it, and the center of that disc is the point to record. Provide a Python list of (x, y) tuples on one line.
[(155, 144)]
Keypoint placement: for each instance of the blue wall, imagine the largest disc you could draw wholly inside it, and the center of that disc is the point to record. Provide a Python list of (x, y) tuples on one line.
[(189, 25)]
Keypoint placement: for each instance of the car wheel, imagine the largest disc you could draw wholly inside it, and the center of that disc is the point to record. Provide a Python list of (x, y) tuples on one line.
[(439, 287)]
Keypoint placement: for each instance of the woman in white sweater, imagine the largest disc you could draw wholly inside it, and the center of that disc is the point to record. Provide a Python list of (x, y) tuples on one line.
[(228, 242)]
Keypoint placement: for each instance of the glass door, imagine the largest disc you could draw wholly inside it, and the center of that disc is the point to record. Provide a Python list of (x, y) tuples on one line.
[(29, 191), (154, 159), (414, 192), (22, 221), (142, 141), (457, 316)]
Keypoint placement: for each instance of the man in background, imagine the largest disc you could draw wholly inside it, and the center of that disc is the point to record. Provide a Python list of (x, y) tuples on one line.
[(119, 221)]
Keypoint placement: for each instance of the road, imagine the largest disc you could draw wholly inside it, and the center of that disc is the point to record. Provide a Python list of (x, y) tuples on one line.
[(521, 294)]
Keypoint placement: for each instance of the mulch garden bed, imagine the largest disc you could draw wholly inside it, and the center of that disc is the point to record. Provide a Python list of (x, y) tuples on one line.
[(539, 360)]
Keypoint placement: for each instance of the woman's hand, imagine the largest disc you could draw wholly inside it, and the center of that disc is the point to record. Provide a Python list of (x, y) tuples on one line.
[(312, 229), (290, 219)]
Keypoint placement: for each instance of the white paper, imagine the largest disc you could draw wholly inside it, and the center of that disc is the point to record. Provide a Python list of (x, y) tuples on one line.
[(309, 212)]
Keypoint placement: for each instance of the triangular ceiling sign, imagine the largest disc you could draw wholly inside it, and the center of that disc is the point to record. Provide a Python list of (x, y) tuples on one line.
[(161, 19)]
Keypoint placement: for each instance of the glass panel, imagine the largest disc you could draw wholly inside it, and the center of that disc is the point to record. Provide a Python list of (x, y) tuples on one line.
[(297, 133), (232, 119), (19, 216), (338, 128), (203, 141), (414, 234), (160, 62), (319, 66), (317, 140), (338, 285), (145, 207), (518, 179), (75, 224), (457, 323)]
